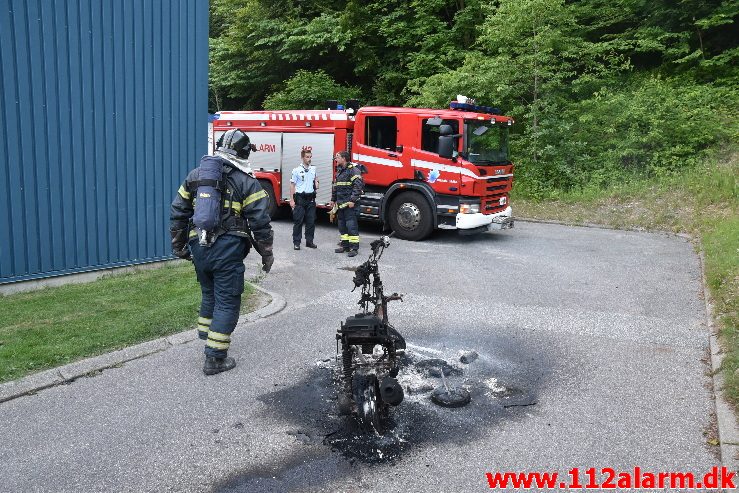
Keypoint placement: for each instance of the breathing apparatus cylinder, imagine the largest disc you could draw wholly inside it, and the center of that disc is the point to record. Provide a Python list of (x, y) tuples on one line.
[(207, 215)]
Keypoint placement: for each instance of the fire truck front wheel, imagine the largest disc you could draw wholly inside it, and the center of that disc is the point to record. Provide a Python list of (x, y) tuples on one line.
[(273, 208), (410, 216)]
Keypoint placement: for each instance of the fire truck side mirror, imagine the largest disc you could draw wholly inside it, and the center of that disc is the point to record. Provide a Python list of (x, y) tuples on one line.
[(446, 146)]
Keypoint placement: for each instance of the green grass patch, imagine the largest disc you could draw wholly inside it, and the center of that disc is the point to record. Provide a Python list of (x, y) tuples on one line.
[(54, 326), (681, 202), (721, 245), (702, 202)]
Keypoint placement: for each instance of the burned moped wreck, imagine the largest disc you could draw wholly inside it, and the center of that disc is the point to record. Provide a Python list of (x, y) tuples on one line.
[(370, 347)]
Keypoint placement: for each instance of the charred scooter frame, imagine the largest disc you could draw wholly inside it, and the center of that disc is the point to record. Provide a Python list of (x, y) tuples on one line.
[(369, 371)]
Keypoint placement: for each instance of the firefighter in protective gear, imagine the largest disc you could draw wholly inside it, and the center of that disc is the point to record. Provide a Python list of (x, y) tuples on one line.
[(345, 194), (219, 265)]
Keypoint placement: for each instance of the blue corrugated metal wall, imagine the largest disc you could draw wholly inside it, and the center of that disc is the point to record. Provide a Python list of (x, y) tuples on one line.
[(103, 109)]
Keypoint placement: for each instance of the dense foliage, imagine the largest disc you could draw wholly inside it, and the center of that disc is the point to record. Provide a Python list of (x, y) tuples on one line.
[(600, 89)]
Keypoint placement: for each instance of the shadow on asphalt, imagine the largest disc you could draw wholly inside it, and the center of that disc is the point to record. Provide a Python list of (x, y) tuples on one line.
[(504, 385), (453, 237)]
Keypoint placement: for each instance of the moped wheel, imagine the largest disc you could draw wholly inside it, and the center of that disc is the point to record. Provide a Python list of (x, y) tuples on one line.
[(367, 399)]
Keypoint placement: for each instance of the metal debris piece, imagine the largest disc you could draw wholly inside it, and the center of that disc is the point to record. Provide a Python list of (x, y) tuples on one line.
[(450, 398), (468, 357), (433, 368), (447, 397), (419, 387)]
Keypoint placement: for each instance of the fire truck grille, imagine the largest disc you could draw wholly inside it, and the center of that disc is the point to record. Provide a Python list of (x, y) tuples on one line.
[(492, 205), (499, 184)]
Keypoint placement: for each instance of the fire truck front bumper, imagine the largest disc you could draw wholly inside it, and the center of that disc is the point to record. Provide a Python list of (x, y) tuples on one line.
[(477, 223)]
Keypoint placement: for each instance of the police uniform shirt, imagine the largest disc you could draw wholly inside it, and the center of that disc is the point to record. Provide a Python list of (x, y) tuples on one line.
[(304, 179)]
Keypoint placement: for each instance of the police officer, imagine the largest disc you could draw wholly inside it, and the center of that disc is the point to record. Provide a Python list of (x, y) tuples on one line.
[(346, 191), (219, 265), (303, 187)]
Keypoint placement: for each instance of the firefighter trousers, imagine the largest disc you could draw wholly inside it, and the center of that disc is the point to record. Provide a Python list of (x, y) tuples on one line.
[(220, 271), (348, 227)]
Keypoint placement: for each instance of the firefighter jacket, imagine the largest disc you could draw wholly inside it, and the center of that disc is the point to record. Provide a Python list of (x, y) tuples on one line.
[(348, 186), (244, 207)]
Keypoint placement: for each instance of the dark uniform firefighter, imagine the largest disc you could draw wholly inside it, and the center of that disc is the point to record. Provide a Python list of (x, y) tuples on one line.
[(346, 191), (219, 264)]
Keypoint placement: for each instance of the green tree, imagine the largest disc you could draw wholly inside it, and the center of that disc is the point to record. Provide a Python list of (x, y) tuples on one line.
[(376, 46), (600, 89), (530, 61), (309, 90), (260, 44)]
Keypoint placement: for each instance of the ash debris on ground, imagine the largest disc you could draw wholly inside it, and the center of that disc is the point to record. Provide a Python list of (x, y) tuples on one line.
[(432, 367), (465, 370), (417, 420), (498, 387)]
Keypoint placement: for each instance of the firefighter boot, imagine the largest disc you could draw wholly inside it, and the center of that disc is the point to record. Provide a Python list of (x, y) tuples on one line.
[(343, 247), (353, 253), (215, 365)]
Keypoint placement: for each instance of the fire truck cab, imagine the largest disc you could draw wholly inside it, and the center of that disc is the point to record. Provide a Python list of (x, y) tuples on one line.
[(423, 168)]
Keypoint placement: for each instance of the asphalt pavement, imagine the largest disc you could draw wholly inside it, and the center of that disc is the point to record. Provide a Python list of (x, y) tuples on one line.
[(592, 352)]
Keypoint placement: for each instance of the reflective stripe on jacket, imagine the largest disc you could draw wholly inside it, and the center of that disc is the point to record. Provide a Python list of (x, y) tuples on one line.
[(348, 186), (244, 201)]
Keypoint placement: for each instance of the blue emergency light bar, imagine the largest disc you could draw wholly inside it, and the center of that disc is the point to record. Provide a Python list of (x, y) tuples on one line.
[(455, 105)]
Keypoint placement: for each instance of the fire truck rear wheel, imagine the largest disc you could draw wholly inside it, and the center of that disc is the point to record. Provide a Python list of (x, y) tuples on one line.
[(273, 208), (410, 216)]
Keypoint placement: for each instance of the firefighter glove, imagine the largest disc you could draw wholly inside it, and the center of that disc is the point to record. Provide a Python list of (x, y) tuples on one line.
[(267, 262), (184, 254), (332, 213), (179, 244), (264, 248)]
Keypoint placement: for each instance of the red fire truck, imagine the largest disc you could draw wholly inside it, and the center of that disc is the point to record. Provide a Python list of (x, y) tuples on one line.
[(425, 168)]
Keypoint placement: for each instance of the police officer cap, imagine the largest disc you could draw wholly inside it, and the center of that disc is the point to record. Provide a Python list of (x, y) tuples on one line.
[(235, 142)]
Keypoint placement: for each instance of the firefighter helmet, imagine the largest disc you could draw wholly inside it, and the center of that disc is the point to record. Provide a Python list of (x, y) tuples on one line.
[(235, 142)]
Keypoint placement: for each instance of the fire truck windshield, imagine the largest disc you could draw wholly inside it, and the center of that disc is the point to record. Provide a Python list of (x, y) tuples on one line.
[(485, 142)]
